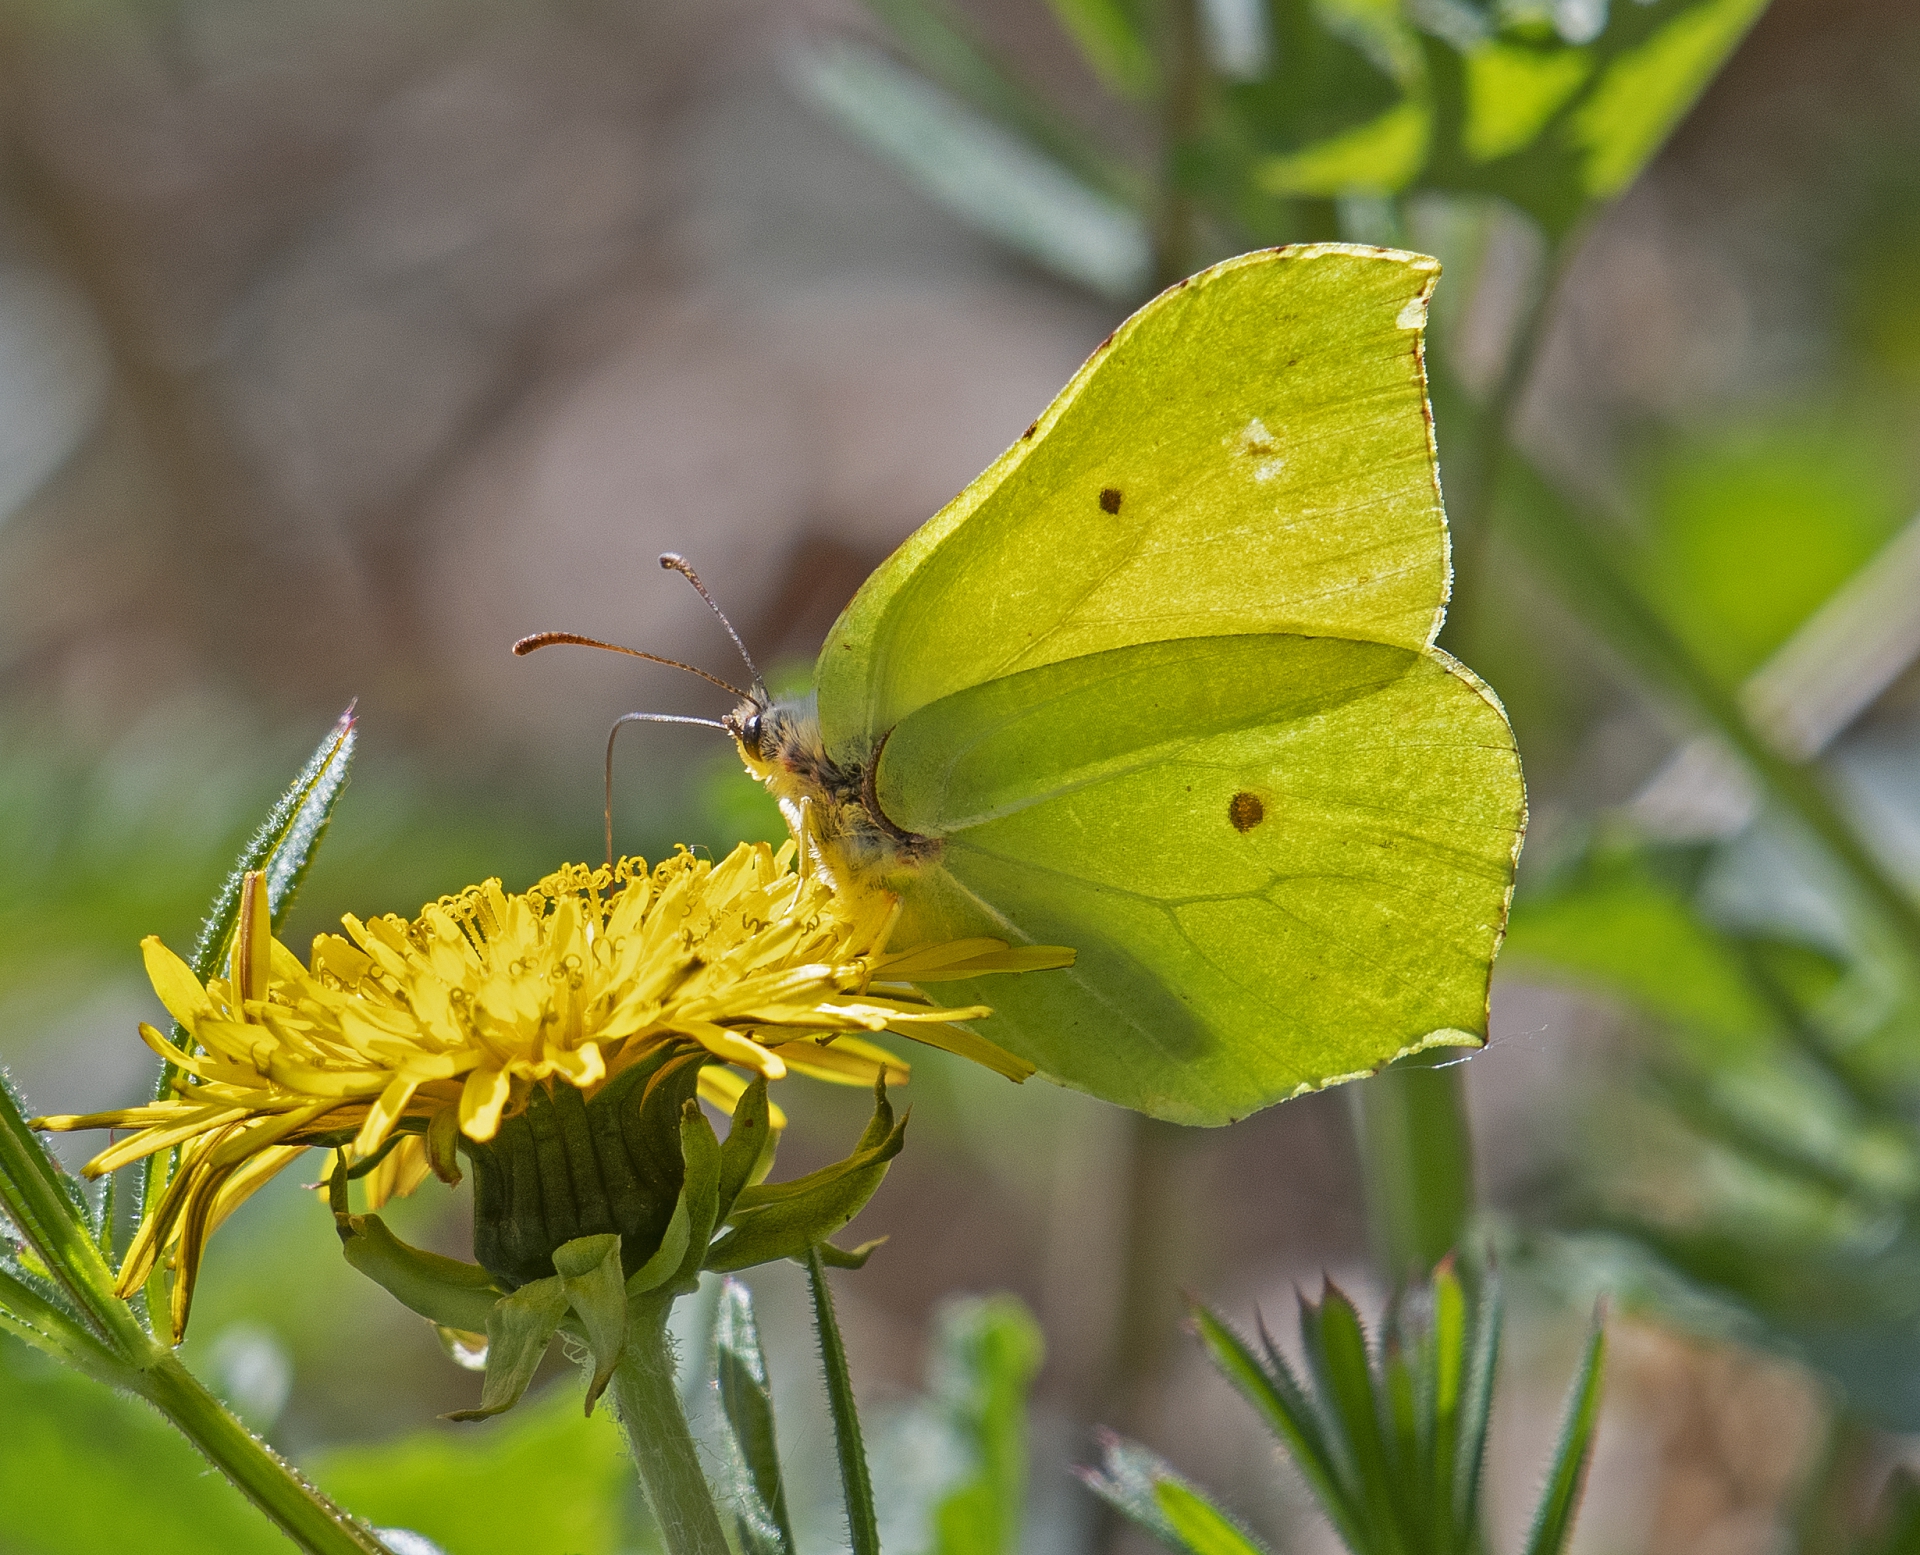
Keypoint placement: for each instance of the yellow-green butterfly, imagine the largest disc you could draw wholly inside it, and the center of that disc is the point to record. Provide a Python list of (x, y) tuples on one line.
[(1160, 685)]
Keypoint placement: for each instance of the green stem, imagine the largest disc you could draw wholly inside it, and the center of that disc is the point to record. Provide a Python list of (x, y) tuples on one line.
[(648, 1400), (1182, 104), (266, 1479), (1489, 440), (1416, 1154), (862, 1526)]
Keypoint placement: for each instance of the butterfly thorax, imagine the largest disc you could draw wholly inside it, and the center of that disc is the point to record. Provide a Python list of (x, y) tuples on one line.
[(833, 802)]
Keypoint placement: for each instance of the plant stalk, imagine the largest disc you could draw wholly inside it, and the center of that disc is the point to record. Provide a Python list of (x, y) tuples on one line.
[(648, 1401), (863, 1527), (1416, 1153), (1183, 64), (266, 1479)]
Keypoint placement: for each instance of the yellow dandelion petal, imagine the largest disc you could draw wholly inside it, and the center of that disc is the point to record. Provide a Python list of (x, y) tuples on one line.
[(340, 960), (174, 982), (382, 1116), (173, 1055), (482, 1099), (406, 1166), (734, 1049), (840, 1063), (581, 1067), (971, 1046), (722, 1088), (164, 1137)]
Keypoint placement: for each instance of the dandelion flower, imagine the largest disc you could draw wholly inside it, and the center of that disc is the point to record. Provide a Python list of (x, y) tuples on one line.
[(401, 1038)]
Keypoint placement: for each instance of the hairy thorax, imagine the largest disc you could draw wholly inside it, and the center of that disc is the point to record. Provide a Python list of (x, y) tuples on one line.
[(831, 805)]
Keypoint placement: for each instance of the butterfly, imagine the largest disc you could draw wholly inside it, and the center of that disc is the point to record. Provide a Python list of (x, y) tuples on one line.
[(1161, 685)]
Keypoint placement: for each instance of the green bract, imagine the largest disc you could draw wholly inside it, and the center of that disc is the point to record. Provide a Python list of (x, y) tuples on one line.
[(1160, 685), (617, 1241)]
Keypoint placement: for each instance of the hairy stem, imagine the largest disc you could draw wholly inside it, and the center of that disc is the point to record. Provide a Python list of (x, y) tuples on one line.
[(262, 1475), (648, 1401), (862, 1526)]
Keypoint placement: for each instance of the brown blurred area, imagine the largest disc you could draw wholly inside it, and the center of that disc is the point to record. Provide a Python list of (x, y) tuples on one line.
[(342, 342)]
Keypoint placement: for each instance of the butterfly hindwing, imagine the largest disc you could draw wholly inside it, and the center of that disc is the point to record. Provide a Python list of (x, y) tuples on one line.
[(1282, 860)]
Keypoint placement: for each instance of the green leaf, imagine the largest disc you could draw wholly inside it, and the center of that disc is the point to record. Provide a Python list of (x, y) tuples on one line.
[(1201, 1526), (32, 1309), (749, 1142), (50, 1213), (1646, 88), (1557, 127), (283, 849), (1336, 1346), (285, 845), (1612, 923), (1753, 530), (752, 1464), (1553, 1522), (542, 1481), (1145, 1488), (1449, 1362), (1560, 539), (1476, 1403), (987, 1352), (1127, 1479)]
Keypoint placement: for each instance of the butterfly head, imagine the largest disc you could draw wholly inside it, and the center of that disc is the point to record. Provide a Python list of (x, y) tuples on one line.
[(779, 740)]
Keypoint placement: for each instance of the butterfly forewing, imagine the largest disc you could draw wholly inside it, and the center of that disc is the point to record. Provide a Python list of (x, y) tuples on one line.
[(1248, 453)]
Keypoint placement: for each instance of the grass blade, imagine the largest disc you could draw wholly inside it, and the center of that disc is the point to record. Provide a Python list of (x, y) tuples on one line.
[(1476, 1408), (1553, 1523), (1449, 1376), (1143, 1487), (51, 1216), (1336, 1345), (1200, 1525), (988, 176), (1280, 1400), (856, 1484)]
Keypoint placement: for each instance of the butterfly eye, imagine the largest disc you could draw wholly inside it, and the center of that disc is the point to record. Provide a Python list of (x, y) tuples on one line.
[(750, 732)]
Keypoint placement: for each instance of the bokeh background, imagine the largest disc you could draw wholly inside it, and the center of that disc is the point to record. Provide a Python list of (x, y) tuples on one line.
[(344, 341)]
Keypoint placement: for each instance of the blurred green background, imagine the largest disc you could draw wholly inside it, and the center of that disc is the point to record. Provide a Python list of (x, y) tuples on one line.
[(344, 341)]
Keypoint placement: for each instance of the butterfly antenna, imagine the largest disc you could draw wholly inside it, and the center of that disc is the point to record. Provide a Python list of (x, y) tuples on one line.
[(673, 561), (527, 645), (643, 718)]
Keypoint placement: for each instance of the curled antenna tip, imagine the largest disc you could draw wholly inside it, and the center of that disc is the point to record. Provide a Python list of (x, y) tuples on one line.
[(673, 561)]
